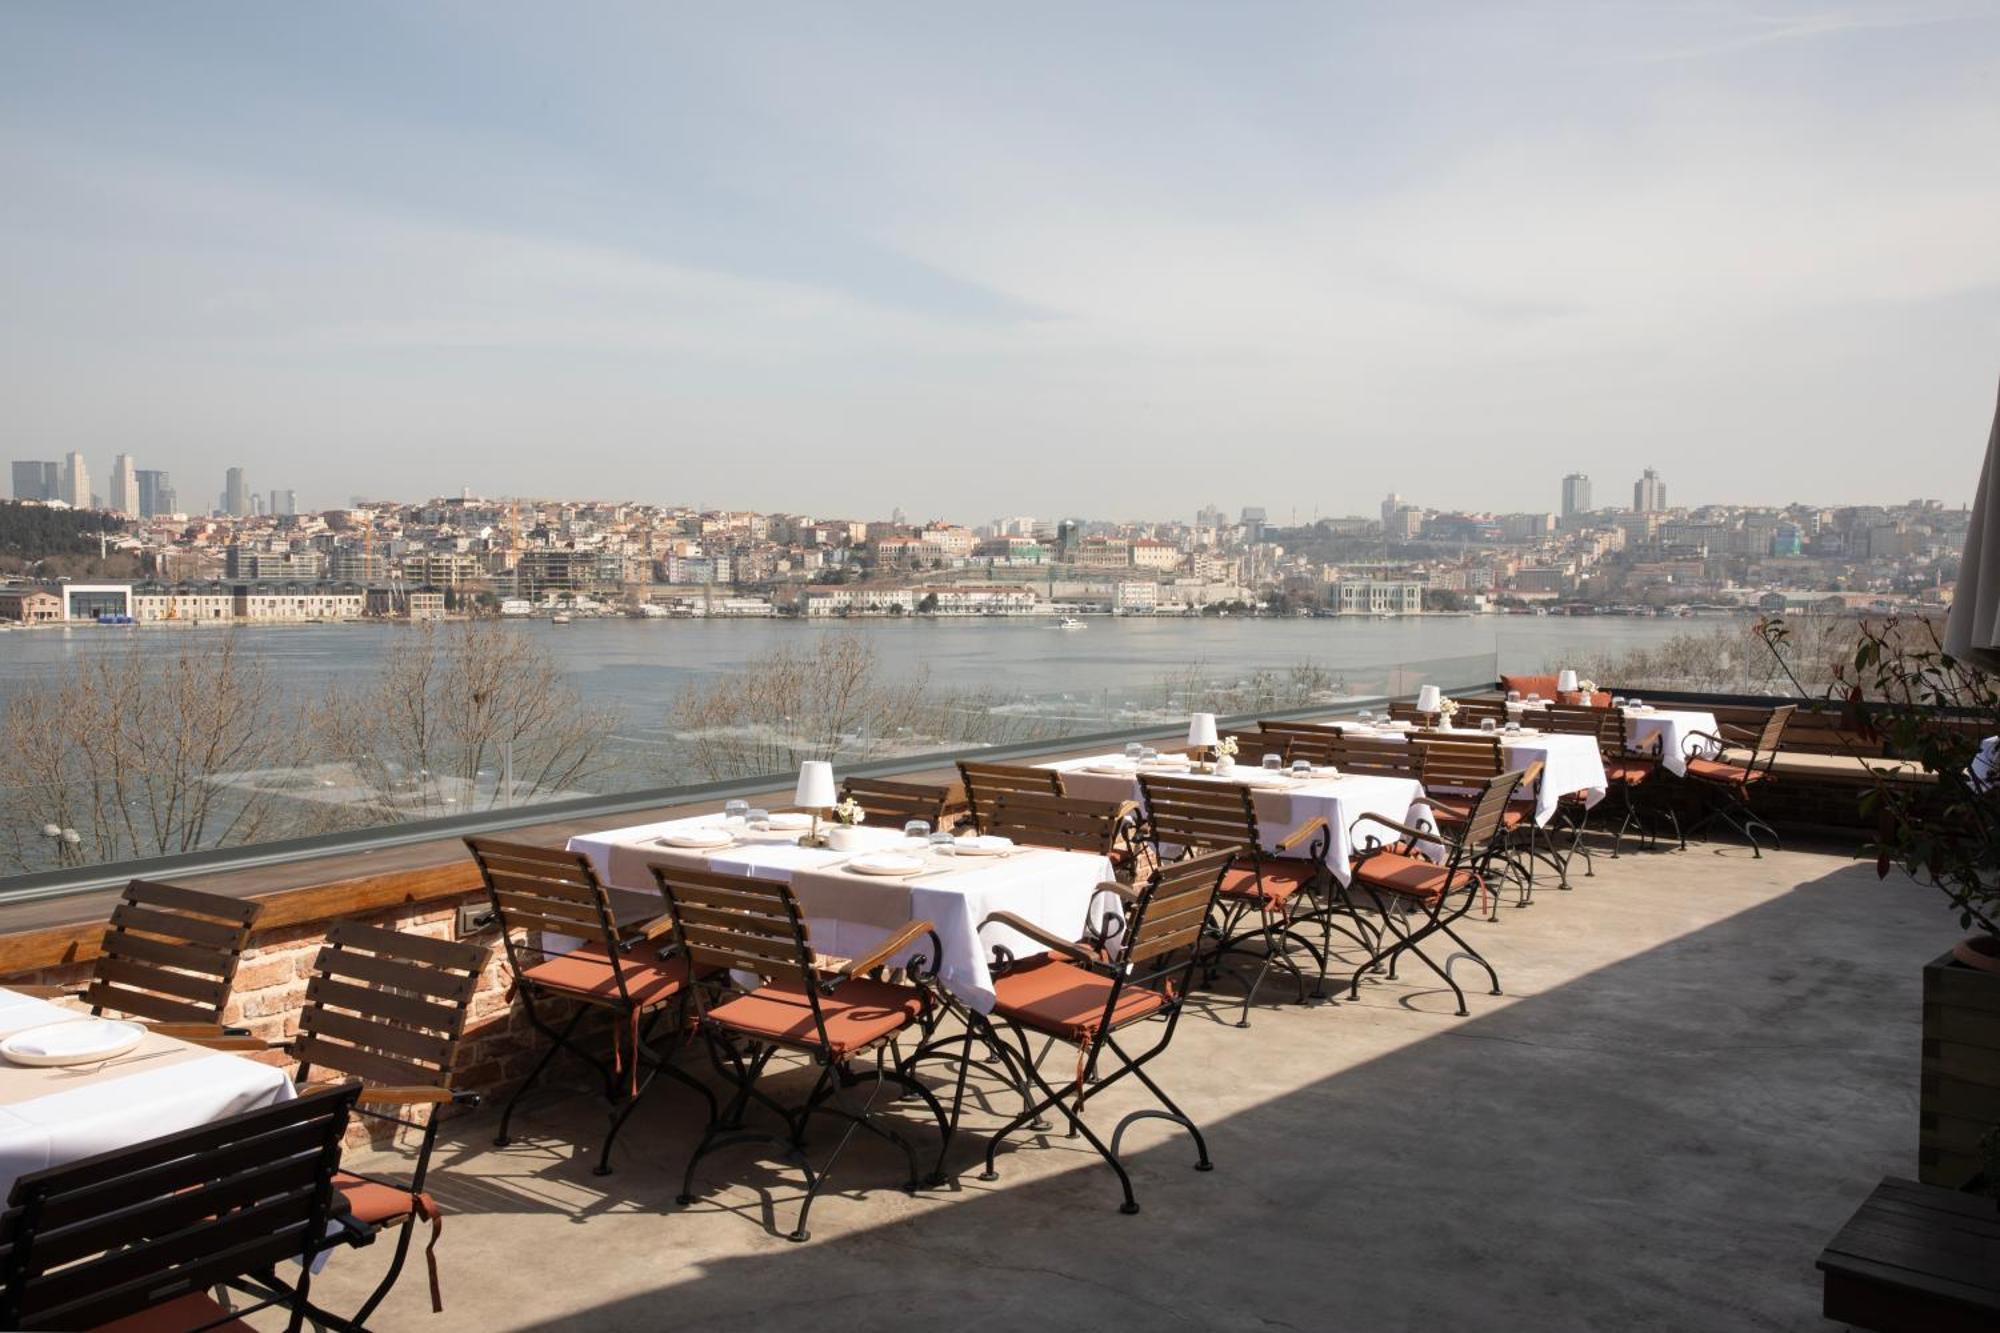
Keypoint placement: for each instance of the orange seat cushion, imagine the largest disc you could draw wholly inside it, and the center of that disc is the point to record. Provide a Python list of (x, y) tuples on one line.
[(194, 1310), (372, 1203), (1714, 770), (1060, 999), (1404, 876), (586, 975), (1629, 771), (862, 1011), (1272, 879)]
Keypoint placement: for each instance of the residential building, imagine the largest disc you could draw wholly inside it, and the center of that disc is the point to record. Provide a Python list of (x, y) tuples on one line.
[(250, 565), (29, 606), (294, 602)]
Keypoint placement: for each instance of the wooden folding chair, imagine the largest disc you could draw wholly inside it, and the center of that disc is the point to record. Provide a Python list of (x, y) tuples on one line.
[(1108, 828), (389, 1009), (1404, 881), (1456, 771), (1373, 756), (135, 1238), (1086, 994), (1726, 783), (836, 1017), (986, 783), (540, 894), (893, 804), (168, 959)]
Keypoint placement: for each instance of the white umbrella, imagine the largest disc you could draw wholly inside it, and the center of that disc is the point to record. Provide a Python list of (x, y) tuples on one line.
[(1972, 632)]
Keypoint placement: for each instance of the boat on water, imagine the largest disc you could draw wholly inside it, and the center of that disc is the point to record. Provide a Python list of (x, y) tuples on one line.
[(1070, 622), (560, 618)]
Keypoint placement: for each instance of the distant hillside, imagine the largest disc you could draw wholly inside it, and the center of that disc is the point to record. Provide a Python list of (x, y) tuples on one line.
[(32, 532)]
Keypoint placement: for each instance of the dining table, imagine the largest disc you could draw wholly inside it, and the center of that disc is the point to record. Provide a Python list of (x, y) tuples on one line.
[(1284, 802), (1680, 733), (956, 886), (50, 1116)]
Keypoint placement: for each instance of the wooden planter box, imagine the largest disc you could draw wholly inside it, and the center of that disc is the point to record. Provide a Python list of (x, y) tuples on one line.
[(1961, 1070)]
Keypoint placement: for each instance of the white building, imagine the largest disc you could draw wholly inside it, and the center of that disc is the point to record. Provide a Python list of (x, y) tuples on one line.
[(1378, 597)]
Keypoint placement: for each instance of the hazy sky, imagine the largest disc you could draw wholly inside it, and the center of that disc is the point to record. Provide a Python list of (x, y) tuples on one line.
[(973, 260)]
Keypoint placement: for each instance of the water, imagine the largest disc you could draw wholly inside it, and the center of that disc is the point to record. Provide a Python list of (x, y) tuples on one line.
[(637, 667)]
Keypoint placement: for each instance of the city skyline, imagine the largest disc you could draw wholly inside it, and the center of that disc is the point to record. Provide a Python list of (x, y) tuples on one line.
[(635, 257)]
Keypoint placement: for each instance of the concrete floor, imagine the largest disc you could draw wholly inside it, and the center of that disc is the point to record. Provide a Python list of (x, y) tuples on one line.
[(1702, 1065)]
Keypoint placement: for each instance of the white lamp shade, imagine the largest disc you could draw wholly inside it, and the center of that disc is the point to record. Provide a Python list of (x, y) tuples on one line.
[(1566, 682), (1428, 699), (1201, 729), (816, 785)]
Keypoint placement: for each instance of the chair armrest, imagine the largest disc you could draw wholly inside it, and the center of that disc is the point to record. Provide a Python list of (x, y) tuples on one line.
[(412, 1096), (1317, 824), (39, 992), (1125, 892), (233, 1042), (888, 949), (1047, 939), (1416, 835), (196, 1031), (652, 930)]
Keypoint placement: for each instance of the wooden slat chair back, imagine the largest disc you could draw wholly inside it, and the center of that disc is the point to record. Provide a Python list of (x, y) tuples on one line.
[(1409, 712), (537, 891), (1186, 813), (1318, 730), (1315, 747), (986, 783), (893, 804), (1771, 735), (1170, 915), (1063, 822), (1471, 712), (1252, 746), (1374, 756), (1489, 813), (1457, 763), (170, 954), (151, 1227), (1575, 719), (732, 922), (387, 1007)]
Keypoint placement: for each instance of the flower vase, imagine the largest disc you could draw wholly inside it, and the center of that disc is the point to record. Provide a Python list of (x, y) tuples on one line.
[(843, 838), (1225, 764)]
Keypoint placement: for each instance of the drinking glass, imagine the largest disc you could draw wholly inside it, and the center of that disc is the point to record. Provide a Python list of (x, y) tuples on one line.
[(1486, 725), (1638, 703), (917, 830), (1367, 717), (757, 817), (1301, 768), (1274, 762), (941, 841), (1147, 754), (1534, 698), (733, 813), (1133, 749), (1513, 696)]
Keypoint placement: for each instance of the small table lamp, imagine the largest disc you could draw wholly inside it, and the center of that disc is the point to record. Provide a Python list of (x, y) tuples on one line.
[(1428, 699), (815, 791), (1566, 681), (1201, 733)]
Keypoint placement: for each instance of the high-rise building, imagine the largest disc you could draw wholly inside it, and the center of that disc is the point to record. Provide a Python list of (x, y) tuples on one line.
[(1253, 523), (1576, 494), (124, 487), (75, 481), (235, 495), (283, 502), (1649, 493), (37, 480), (156, 494), (1389, 508)]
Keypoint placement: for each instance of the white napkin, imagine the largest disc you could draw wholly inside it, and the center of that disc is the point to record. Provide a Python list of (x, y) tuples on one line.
[(85, 1036)]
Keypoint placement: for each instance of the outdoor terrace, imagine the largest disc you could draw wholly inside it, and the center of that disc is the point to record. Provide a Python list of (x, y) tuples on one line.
[(1702, 1063)]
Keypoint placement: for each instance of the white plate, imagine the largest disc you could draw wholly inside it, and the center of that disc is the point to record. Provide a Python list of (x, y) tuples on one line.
[(698, 838), (1112, 770), (885, 863), (789, 821), (84, 1041), (985, 844), (1260, 778)]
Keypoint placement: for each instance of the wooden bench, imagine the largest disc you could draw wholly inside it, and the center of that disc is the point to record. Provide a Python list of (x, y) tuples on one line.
[(1916, 1257)]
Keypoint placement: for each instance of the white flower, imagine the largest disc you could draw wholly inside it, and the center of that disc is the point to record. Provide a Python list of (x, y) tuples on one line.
[(1227, 746), (1587, 686), (849, 811)]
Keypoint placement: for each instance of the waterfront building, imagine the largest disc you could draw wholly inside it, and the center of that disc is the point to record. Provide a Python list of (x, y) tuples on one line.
[(263, 604), (1378, 597), (210, 604), (29, 606)]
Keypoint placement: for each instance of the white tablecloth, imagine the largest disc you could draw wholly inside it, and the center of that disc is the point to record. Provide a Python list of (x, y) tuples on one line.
[(152, 1099), (1676, 729), (1054, 890), (1281, 811)]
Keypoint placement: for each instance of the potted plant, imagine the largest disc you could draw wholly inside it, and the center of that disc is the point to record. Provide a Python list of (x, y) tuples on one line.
[(1225, 754), (1902, 689), (847, 817)]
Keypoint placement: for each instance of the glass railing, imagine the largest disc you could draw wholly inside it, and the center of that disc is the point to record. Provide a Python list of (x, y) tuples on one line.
[(186, 757)]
